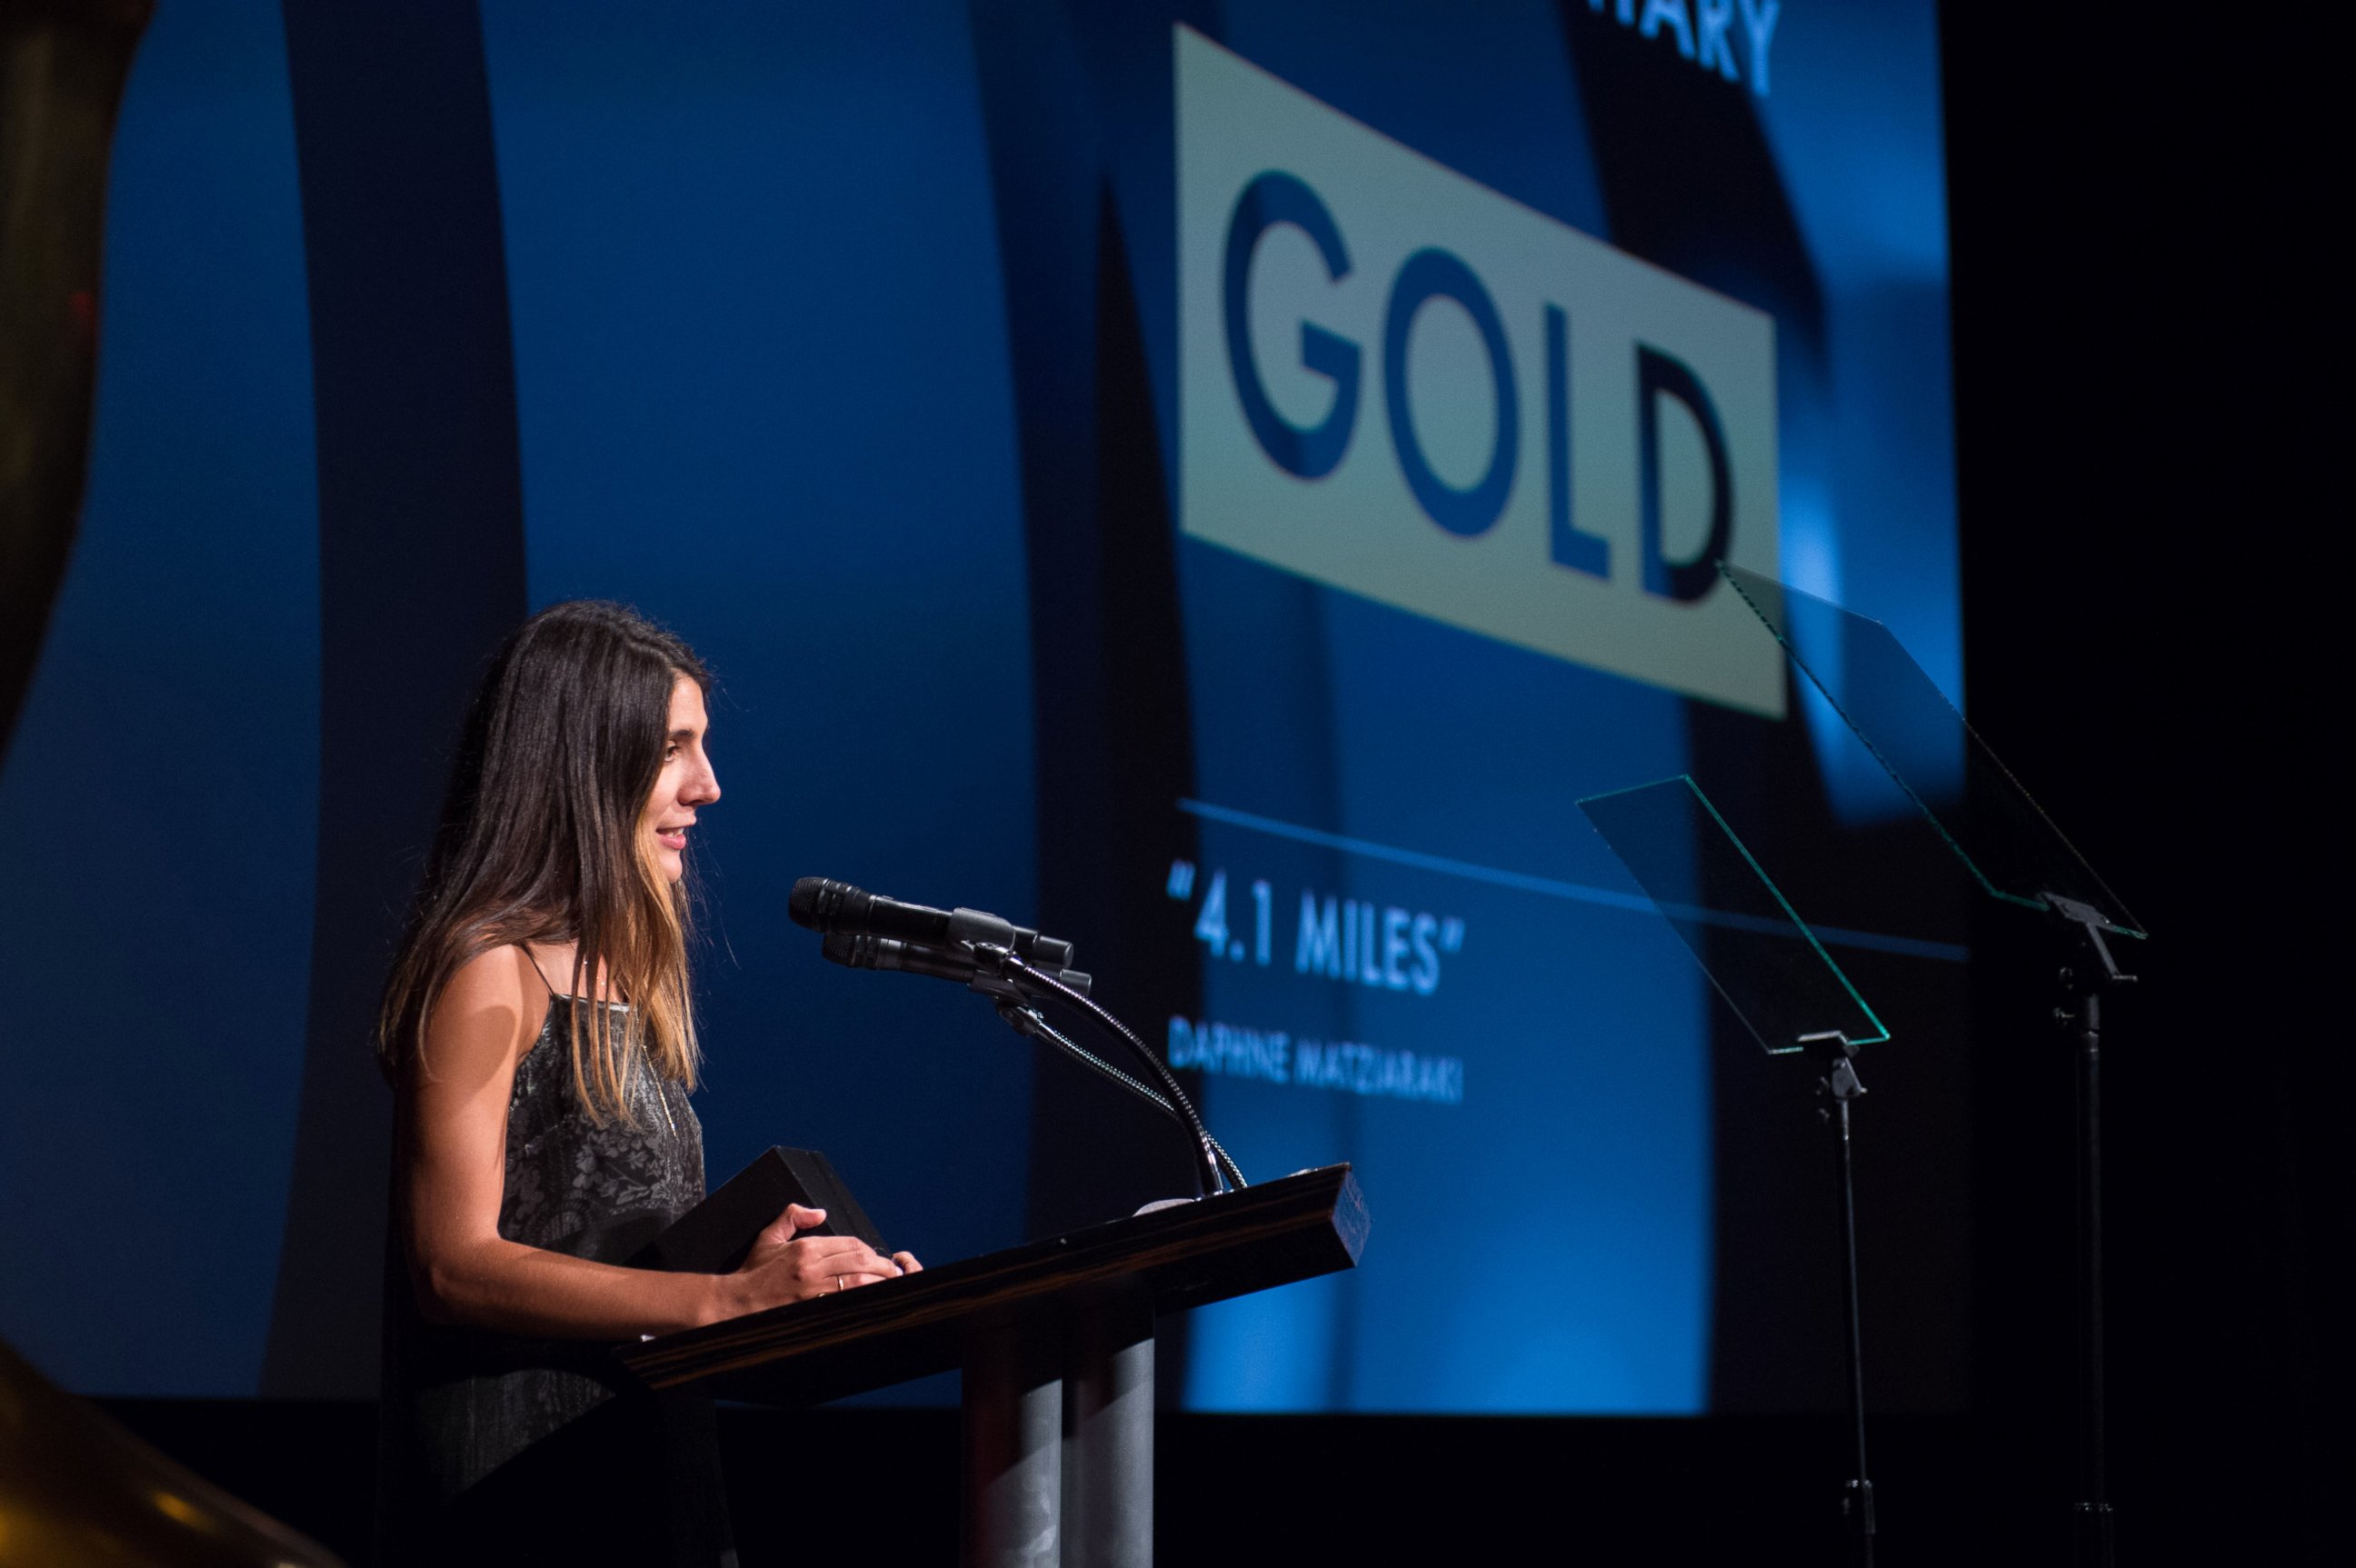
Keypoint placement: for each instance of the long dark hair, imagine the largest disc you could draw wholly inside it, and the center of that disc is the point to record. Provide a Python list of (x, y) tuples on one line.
[(539, 841)]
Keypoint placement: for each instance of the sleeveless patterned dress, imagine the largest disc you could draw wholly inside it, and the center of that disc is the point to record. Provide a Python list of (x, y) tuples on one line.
[(497, 1448)]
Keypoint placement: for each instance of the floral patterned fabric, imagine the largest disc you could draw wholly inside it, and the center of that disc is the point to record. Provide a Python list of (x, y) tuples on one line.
[(571, 1180), (481, 1433)]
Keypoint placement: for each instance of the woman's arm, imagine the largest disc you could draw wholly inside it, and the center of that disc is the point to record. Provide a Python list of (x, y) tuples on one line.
[(452, 1129)]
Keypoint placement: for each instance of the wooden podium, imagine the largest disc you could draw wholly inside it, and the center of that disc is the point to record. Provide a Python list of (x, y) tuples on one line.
[(1056, 1341)]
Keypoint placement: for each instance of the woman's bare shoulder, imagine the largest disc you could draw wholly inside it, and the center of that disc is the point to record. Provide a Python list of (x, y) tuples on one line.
[(489, 1011), (496, 975)]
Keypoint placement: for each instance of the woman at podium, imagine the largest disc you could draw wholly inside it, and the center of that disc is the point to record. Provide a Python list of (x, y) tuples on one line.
[(538, 1035)]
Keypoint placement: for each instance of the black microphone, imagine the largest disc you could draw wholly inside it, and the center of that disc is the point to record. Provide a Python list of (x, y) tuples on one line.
[(856, 951), (821, 905)]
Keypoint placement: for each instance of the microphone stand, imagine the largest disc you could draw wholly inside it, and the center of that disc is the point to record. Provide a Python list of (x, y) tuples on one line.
[(1011, 981), (2091, 972), (1841, 1086)]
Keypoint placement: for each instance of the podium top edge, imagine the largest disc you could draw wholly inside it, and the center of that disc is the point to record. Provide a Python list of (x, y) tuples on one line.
[(1292, 1227)]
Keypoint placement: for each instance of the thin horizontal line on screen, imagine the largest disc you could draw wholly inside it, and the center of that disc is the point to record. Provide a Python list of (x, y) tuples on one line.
[(1548, 888)]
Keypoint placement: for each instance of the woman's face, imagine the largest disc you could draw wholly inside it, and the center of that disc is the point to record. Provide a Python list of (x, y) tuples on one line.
[(685, 783)]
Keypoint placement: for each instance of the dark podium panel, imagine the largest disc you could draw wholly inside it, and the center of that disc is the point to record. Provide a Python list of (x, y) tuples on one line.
[(1055, 1340)]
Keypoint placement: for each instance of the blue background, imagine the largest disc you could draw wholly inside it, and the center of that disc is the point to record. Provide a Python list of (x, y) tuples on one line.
[(766, 312)]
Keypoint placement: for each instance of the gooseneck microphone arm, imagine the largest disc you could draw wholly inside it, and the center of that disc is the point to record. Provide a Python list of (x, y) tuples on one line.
[(1030, 1023), (1206, 1152)]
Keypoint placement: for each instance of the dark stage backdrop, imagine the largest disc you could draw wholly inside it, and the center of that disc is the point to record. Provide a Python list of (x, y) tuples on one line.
[(1217, 483)]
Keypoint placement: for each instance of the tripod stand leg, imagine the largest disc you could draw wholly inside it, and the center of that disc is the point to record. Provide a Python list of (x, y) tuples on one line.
[(2095, 1547), (1857, 1498)]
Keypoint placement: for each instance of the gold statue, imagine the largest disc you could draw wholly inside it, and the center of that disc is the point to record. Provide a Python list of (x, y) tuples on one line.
[(78, 1491)]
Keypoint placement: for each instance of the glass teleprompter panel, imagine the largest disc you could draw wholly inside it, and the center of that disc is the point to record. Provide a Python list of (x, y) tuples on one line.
[(1761, 958), (2011, 848)]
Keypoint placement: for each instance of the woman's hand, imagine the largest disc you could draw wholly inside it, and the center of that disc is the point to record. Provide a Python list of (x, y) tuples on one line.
[(785, 1265)]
